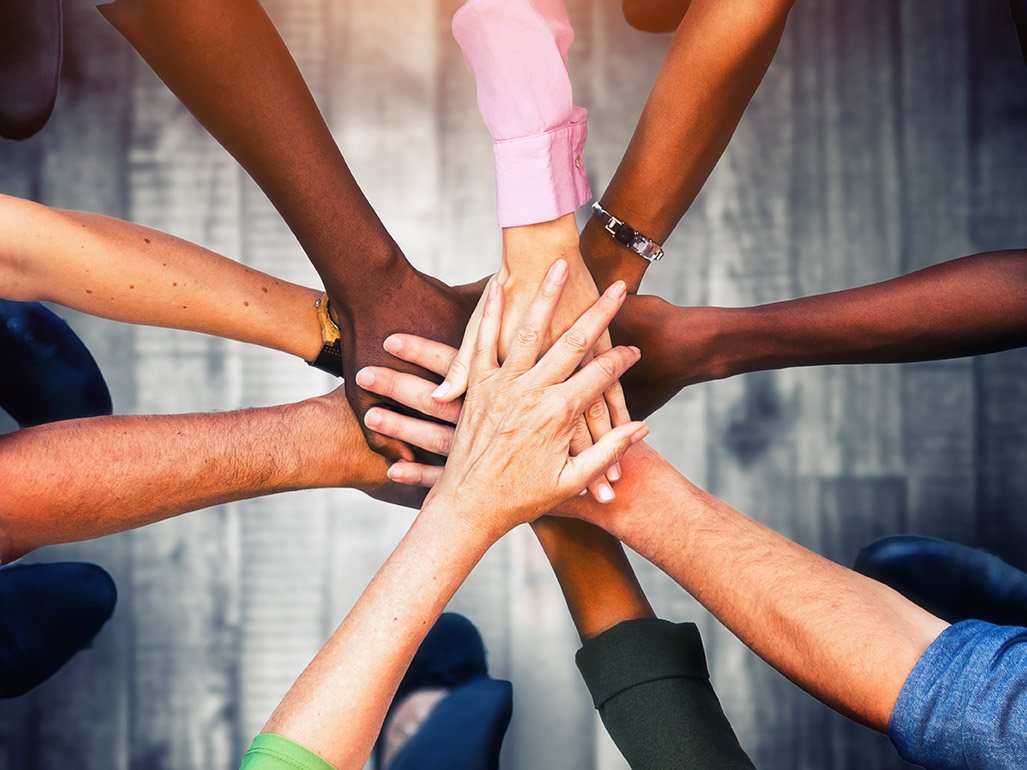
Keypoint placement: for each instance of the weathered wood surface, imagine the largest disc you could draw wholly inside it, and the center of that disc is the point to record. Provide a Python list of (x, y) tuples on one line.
[(887, 136)]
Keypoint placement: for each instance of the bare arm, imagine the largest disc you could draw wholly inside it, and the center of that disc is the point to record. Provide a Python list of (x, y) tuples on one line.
[(718, 57), (846, 639), (964, 307), (125, 272), (81, 479), (510, 462)]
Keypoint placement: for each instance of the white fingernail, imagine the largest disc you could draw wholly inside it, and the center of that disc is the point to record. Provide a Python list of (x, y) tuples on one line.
[(605, 493), (441, 390), (614, 473)]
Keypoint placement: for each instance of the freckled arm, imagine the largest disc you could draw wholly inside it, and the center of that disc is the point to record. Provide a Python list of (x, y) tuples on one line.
[(125, 272)]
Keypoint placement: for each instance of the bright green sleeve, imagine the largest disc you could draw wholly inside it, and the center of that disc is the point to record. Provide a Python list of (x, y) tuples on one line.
[(273, 752)]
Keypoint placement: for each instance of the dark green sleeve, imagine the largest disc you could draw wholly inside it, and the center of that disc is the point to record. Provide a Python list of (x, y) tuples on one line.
[(650, 684)]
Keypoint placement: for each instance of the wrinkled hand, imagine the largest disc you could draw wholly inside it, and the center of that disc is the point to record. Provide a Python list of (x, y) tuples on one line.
[(519, 292), (510, 457), (406, 301)]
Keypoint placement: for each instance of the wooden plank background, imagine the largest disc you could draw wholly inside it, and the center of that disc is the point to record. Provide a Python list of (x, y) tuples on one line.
[(886, 137)]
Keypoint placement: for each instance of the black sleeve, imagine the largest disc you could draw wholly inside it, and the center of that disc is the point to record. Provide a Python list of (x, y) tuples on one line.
[(649, 682)]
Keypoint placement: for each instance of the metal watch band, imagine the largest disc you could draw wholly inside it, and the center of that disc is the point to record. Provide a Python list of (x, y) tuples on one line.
[(627, 235)]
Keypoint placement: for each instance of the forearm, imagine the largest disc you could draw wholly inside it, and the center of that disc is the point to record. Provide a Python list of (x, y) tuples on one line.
[(594, 574), (125, 272), (964, 307), (717, 59), (337, 706), (846, 639), (229, 66), (82, 479)]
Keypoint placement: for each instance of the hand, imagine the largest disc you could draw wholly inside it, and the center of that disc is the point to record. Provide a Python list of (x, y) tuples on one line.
[(680, 347), (510, 457), (520, 277), (407, 301)]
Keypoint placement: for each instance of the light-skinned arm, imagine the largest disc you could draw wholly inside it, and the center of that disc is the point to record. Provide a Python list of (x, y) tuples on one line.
[(591, 567), (509, 463), (81, 479), (125, 272), (844, 638)]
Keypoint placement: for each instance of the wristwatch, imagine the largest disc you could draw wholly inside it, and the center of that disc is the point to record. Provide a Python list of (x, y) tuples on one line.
[(629, 236)]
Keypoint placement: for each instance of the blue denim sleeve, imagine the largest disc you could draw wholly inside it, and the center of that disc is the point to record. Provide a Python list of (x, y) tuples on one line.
[(964, 705)]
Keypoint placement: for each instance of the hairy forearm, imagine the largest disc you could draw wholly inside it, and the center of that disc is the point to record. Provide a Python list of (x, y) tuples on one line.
[(718, 58), (597, 581), (337, 706), (964, 307), (227, 63), (846, 639), (82, 479), (125, 272)]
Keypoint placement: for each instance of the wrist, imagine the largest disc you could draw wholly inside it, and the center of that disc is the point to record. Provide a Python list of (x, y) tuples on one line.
[(529, 251), (609, 260), (445, 514), (378, 268)]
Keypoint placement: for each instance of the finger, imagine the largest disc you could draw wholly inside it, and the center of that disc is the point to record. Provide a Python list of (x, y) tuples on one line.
[(588, 385), (414, 474), (458, 372), (420, 433), (485, 357), (581, 441), (428, 354), (590, 464), (524, 350), (408, 390), (563, 357)]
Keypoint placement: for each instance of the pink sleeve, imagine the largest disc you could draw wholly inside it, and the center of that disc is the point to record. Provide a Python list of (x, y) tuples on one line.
[(517, 52)]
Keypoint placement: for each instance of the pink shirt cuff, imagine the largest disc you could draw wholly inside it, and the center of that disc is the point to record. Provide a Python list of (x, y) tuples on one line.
[(541, 177)]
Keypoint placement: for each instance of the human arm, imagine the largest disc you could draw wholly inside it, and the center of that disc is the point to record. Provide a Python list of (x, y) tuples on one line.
[(129, 273), (717, 59), (968, 306), (231, 69), (81, 479), (509, 463), (844, 638), (517, 52)]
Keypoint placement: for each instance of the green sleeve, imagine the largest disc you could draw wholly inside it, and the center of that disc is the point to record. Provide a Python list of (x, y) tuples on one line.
[(273, 752), (649, 682)]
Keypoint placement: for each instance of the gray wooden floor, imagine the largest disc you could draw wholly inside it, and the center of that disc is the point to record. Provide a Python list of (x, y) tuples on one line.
[(888, 136)]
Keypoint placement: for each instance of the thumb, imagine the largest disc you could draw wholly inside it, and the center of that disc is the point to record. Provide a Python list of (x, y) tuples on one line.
[(455, 383), (583, 468)]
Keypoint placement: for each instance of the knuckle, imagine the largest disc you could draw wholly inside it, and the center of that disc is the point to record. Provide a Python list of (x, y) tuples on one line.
[(528, 335), (596, 411), (605, 367), (577, 340)]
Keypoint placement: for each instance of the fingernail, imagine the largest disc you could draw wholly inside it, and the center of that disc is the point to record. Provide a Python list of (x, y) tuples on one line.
[(639, 434), (372, 419), (605, 492), (558, 270), (618, 289), (637, 351), (441, 390), (391, 473), (582, 493), (365, 378), (614, 473), (392, 344)]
